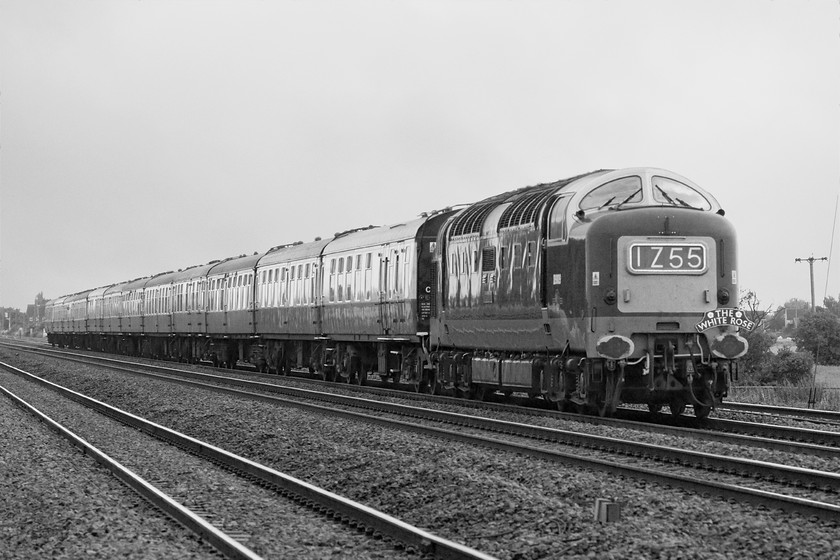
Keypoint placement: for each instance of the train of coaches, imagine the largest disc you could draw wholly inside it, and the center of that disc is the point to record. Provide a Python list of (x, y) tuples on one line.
[(608, 287)]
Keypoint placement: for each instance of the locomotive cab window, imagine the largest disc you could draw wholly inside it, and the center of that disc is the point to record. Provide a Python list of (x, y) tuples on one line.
[(674, 193), (627, 190)]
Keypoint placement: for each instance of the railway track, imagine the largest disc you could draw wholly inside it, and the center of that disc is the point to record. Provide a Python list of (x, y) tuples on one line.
[(821, 502), (787, 439), (221, 486), (76, 501)]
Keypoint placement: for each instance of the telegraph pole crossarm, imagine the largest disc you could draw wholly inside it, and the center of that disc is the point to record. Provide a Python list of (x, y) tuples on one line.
[(810, 260)]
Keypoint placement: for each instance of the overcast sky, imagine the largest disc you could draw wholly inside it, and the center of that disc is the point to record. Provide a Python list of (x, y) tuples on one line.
[(140, 136)]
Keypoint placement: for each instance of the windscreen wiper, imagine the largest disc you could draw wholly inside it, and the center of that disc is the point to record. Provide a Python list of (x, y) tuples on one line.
[(687, 205), (666, 195), (628, 199)]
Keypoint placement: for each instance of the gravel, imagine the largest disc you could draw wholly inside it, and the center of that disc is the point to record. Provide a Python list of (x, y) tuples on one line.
[(57, 503), (502, 504)]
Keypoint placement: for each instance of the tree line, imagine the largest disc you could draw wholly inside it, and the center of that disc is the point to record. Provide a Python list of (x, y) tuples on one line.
[(815, 333)]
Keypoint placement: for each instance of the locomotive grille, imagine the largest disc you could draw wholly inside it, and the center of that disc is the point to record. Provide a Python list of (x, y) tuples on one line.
[(524, 210), (471, 219)]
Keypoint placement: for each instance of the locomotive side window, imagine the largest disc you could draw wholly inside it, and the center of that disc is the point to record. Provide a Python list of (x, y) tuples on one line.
[(557, 223), (529, 255), (669, 191), (502, 257), (517, 255), (627, 190)]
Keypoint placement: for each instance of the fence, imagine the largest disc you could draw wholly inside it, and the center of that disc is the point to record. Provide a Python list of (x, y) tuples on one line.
[(824, 398)]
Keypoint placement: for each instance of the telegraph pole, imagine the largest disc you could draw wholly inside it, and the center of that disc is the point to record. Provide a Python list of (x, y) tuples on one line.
[(810, 261)]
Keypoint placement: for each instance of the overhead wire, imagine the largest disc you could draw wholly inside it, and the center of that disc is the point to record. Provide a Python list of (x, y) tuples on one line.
[(831, 247)]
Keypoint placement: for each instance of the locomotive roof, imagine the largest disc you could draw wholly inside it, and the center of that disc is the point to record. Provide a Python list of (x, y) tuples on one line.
[(523, 205)]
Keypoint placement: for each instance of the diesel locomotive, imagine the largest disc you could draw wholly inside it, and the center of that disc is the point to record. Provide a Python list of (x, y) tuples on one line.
[(615, 286)]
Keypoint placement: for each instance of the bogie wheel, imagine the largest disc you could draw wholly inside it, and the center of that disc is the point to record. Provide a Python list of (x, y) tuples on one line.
[(654, 408)]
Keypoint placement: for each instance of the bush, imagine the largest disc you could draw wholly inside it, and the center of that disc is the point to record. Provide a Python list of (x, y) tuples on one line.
[(790, 367), (819, 333), (758, 353)]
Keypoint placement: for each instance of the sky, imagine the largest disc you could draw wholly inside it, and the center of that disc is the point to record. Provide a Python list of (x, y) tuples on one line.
[(142, 136)]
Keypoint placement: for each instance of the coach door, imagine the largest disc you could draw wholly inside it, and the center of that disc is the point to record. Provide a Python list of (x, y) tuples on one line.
[(385, 274)]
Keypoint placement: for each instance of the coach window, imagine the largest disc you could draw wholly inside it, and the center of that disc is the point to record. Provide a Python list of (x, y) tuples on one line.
[(301, 289), (357, 278), (397, 277), (313, 297), (250, 295), (368, 275)]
